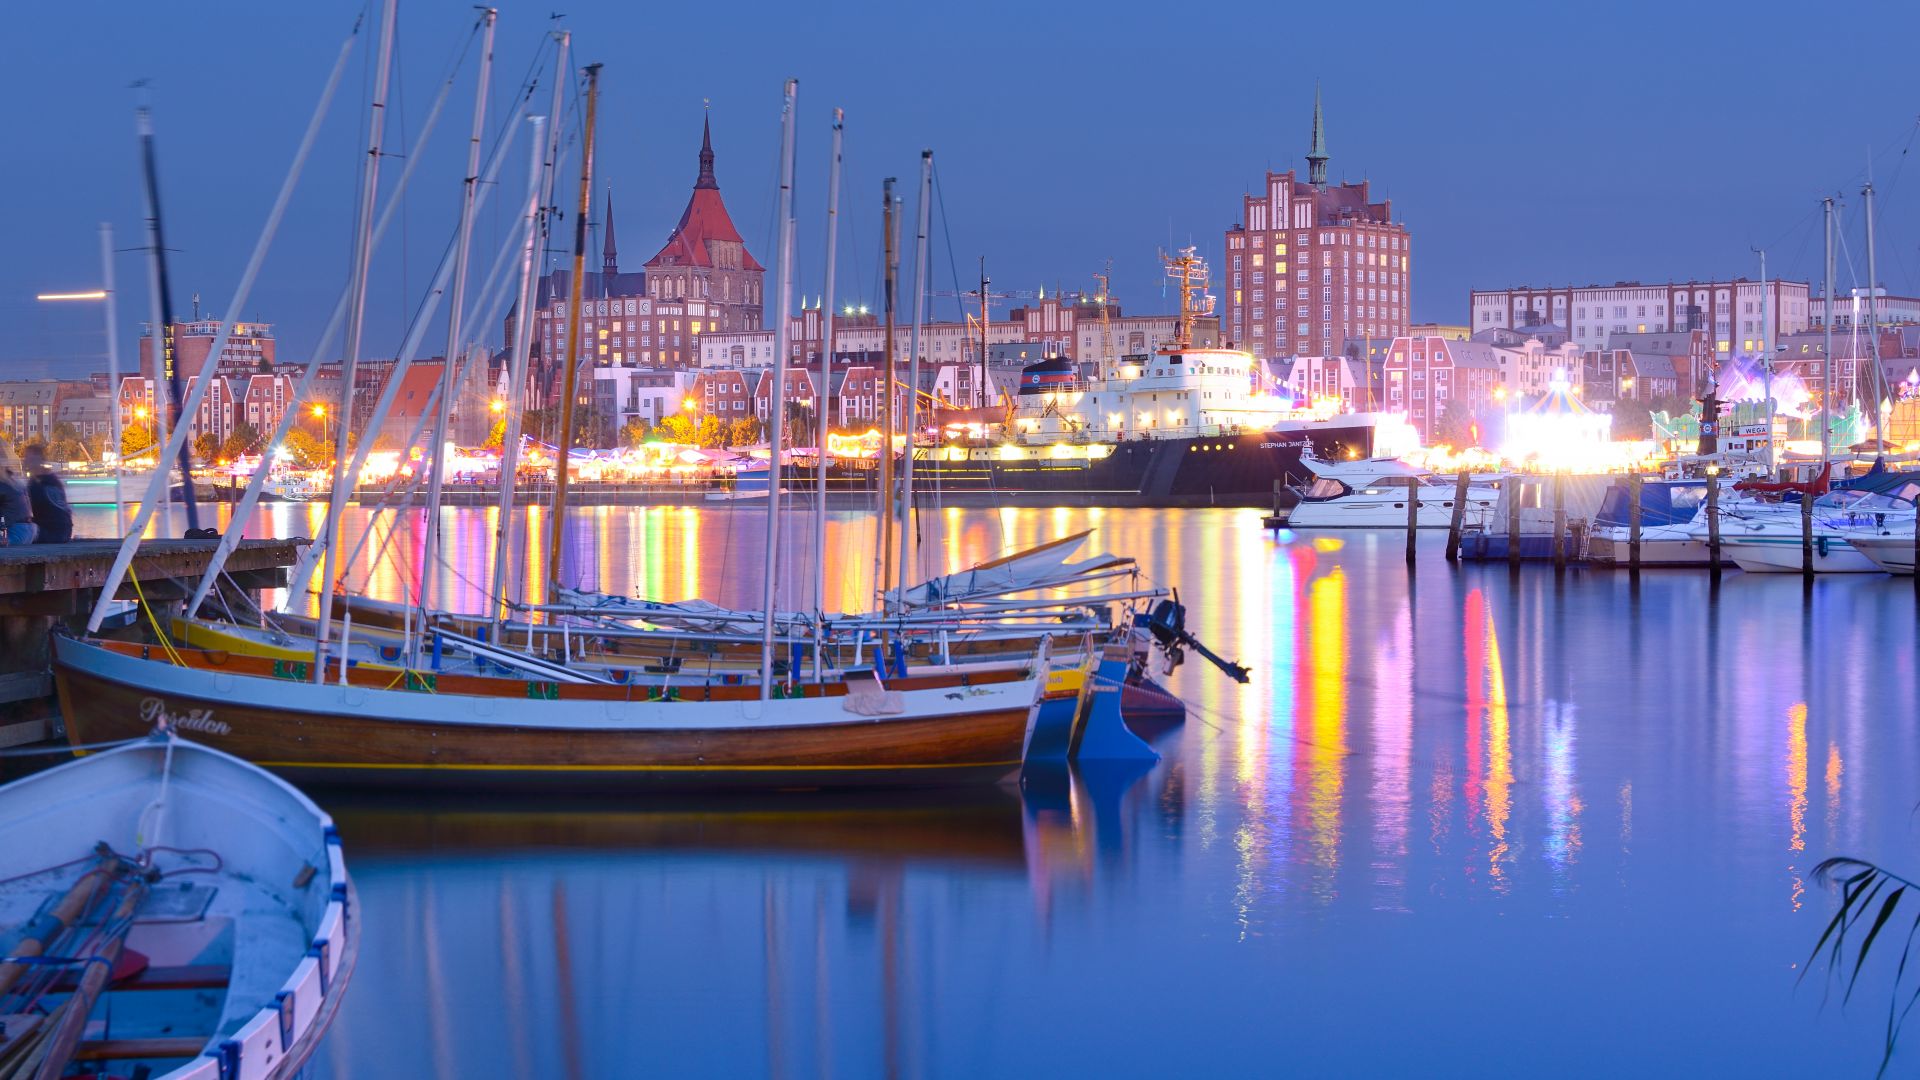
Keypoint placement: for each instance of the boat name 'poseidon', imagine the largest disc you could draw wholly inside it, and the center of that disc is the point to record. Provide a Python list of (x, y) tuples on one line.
[(154, 711)]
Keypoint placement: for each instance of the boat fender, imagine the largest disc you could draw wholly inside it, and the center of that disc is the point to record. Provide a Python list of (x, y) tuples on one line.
[(1820, 543)]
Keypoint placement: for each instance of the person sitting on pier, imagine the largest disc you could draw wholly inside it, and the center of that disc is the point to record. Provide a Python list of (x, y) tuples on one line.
[(16, 515), (48, 495)]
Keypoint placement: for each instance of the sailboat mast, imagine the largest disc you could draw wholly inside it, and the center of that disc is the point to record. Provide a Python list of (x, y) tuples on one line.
[(777, 399), (539, 193), (1766, 351), (1880, 397), (356, 312), (883, 558), (824, 412), (430, 547), (1826, 364), (576, 289), (166, 411), (913, 372)]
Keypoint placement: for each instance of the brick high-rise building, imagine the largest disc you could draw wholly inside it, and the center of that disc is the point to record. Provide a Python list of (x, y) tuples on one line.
[(1312, 265), (705, 259), (249, 348), (703, 281)]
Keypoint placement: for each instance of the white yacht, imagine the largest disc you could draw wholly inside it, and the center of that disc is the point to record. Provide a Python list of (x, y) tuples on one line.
[(1372, 494)]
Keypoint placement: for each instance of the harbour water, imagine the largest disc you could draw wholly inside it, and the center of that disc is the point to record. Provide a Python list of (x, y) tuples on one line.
[(1460, 822)]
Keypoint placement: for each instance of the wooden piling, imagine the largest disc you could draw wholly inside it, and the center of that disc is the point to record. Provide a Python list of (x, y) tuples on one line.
[(1459, 515), (1713, 522), (1413, 515), (1634, 486), (1559, 524), (1806, 535)]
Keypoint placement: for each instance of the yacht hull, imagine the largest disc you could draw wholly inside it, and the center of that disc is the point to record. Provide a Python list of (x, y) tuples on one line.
[(1782, 555)]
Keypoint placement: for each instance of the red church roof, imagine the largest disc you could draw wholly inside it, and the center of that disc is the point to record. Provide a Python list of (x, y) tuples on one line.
[(705, 221)]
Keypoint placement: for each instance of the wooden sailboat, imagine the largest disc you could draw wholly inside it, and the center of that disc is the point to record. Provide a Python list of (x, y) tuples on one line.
[(380, 728), (162, 867)]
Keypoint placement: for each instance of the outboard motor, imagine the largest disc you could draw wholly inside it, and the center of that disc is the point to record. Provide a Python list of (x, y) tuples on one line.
[(1168, 624)]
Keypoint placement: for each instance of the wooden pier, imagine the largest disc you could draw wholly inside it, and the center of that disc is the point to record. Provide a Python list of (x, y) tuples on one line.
[(45, 584)]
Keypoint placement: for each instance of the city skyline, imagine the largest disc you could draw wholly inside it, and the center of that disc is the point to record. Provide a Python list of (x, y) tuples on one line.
[(1047, 165)]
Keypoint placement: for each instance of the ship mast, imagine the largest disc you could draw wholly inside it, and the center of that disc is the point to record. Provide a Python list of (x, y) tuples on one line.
[(1189, 273), (986, 322), (1107, 359)]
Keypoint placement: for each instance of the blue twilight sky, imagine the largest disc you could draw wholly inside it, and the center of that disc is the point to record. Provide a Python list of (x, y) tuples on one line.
[(1521, 143)]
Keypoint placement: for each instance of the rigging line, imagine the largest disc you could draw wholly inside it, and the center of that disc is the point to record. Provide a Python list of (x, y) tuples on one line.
[(1805, 220), (946, 228), (400, 115)]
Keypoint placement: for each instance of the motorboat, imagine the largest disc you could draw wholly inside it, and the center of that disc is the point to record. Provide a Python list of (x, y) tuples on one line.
[(1372, 494), (1868, 507), (1668, 512)]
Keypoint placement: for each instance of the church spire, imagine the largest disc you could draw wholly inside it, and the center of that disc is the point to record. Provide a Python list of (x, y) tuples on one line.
[(706, 179), (609, 260), (1317, 155)]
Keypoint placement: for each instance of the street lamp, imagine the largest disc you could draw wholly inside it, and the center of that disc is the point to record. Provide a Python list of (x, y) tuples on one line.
[(105, 293), (496, 406)]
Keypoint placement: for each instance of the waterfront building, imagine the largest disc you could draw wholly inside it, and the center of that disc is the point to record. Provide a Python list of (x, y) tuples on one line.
[(248, 349), (649, 395), (1312, 265), (701, 281), (29, 409), (1452, 331), (1731, 312), (1851, 309), (856, 401), (1478, 377), (1656, 364), (704, 257), (1311, 378), (1072, 326), (621, 325), (726, 394), (802, 389), (90, 416)]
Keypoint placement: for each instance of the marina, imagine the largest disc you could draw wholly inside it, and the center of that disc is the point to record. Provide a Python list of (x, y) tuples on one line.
[(1426, 769)]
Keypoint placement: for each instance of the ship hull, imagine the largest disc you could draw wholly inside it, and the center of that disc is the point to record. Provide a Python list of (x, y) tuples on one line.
[(356, 735), (1219, 470)]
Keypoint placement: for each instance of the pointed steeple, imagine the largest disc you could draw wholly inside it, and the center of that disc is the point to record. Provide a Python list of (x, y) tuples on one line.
[(1317, 155), (706, 179), (609, 260)]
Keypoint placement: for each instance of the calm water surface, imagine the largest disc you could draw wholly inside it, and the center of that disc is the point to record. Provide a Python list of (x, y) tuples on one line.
[(1459, 823)]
